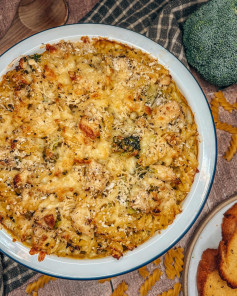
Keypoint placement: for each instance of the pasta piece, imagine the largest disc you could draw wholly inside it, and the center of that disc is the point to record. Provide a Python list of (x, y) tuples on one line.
[(119, 291), (226, 127), (220, 99), (178, 264), (157, 261), (150, 281), (168, 262), (214, 109), (174, 262), (35, 294), (104, 280), (39, 283), (223, 102), (143, 272), (232, 148), (172, 292)]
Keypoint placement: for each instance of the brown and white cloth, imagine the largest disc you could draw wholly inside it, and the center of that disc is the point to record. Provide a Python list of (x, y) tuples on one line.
[(159, 20)]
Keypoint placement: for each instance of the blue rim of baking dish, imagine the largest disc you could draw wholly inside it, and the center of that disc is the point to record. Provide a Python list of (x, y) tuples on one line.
[(204, 200)]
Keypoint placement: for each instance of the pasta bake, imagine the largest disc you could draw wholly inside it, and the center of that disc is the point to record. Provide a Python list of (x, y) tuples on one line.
[(98, 149)]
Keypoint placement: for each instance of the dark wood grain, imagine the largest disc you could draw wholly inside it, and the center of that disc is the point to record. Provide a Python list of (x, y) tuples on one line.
[(32, 17)]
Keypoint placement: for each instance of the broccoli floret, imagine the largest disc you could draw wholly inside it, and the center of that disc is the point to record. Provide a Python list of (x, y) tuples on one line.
[(36, 57), (210, 40), (129, 144)]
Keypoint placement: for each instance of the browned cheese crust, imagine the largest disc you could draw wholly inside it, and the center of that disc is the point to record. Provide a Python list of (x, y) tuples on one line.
[(98, 149)]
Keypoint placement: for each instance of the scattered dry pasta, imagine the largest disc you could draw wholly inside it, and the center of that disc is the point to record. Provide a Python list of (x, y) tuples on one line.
[(157, 261), (174, 262), (214, 109), (150, 281), (143, 272), (220, 99), (223, 102), (232, 148), (226, 127), (104, 280), (169, 267), (178, 264), (119, 291), (172, 292), (39, 283)]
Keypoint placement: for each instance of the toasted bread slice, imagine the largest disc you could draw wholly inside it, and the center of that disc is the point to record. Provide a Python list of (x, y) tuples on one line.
[(209, 282), (229, 223), (227, 251), (227, 260)]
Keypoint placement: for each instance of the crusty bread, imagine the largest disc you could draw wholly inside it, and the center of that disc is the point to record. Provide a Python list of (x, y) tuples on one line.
[(209, 282), (229, 223), (227, 251)]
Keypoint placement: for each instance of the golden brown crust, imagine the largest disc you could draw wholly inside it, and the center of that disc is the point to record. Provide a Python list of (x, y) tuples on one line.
[(207, 264), (227, 261), (217, 272), (227, 251), (229, 223), (89, 166), (209, 282)]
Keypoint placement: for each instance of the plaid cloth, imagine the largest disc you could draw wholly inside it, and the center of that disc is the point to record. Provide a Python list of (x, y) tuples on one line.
[(161, 21)]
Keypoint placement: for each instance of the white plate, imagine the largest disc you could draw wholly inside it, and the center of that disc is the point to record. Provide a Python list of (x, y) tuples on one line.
[(193, 204), (208, 235)]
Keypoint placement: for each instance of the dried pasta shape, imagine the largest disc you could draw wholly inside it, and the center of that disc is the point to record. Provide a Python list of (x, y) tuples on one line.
[(143, 272), (220, 99), (150, 281), (168, 262), (174, 262), (232, 148), (214, 109), (119, 291), (226, 127), (104, 280), (157, 261), (39, 283), (223, 102), (172, 292), (178, 264)]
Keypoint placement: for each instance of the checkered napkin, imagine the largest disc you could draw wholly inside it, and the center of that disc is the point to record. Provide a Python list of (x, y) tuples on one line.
[(161, 21)]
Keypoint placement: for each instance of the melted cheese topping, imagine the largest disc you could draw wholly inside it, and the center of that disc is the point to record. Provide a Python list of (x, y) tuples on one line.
[(98, 148)]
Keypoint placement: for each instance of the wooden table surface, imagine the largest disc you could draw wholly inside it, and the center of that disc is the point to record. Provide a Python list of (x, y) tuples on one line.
[(224, 184)]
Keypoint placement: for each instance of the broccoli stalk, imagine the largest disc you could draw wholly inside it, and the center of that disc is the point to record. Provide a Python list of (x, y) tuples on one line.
[(210, 40)]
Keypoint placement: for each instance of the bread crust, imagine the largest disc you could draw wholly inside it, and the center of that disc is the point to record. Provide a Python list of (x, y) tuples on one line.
[(226, 252), (207, 264), (209, 282), (229, 223)]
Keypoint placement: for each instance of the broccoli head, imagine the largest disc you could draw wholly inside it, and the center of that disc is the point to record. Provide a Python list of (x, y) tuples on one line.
[(210, 40), (129, 144)]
